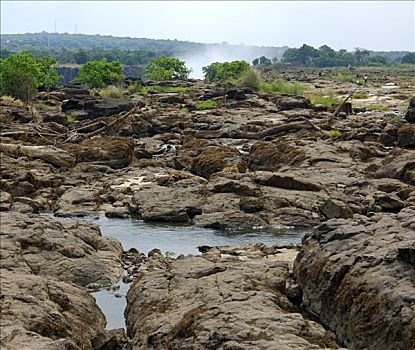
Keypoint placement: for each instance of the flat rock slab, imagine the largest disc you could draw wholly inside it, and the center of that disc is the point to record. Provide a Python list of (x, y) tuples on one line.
[(226, 299), (357, 276)]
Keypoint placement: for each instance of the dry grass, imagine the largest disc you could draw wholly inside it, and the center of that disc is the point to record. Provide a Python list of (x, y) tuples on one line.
[(11, 101)]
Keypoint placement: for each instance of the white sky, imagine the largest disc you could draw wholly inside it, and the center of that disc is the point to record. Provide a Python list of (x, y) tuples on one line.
[(375, 25)]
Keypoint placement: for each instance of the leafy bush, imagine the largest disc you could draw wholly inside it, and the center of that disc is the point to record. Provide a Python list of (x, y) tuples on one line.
[(225, 71), (208, 104), (282, 87), (21, 74), (249, 79), (335, 133), (166, 68), (99, 74)]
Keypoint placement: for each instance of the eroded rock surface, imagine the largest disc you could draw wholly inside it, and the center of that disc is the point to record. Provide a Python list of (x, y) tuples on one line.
[(358, 277), (229, 298), (71, 251)]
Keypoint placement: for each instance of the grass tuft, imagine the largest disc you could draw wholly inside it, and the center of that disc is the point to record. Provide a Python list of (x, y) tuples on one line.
[(281, 87), (140, 89), (327, 100), (335, 133), (208, 104), (360, 95), (111, 91), (377, 108)]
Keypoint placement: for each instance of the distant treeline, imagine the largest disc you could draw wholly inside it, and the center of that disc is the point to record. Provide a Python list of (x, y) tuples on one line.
[(325, 56), (81, 48), (81, 56), (72, 48)]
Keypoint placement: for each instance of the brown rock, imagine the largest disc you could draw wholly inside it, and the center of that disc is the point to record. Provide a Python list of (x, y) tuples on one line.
[(353, 281)]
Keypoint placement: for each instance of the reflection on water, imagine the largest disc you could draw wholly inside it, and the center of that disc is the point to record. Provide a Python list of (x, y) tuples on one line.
[(173, 239), (186, 239)]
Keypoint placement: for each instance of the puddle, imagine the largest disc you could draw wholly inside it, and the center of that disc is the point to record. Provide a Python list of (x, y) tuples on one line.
[(174, 240)]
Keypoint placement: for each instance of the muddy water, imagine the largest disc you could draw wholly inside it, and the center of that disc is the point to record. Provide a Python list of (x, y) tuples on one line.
[(174, 240)]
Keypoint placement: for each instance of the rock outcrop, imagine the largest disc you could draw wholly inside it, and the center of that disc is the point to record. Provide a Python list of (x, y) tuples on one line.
[(229, 298), (357, 277)]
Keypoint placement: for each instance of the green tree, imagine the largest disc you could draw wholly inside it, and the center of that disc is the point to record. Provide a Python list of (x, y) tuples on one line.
[(409, 58), (21, 74), (225, 71), (100, 73), (166, 68), (49, 77), (361, 55), (376, 61)]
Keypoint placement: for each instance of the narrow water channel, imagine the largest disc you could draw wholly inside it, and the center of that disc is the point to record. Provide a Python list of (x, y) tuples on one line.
[(175, 240)]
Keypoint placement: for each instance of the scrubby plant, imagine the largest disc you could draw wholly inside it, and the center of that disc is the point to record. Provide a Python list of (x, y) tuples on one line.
[(185, 110), (11, 101), (345, 78), (99, 74), (335, 133), (360, 95), (111, 91), (208, 104), (249, 79), (137, 88), (225, 71), (166, 68), (21, 74)]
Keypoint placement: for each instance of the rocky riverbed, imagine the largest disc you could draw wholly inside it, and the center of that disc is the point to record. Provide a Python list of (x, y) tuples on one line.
[(255, 162)]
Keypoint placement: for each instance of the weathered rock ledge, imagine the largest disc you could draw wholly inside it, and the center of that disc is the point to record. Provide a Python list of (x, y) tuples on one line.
[(46, 266), (358, 278), (228, 298)]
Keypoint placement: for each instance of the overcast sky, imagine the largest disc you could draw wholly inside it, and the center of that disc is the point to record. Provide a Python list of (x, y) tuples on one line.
[(376, 25)]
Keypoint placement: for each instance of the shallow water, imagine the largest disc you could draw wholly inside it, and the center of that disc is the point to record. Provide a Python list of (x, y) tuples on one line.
[(176, 240)]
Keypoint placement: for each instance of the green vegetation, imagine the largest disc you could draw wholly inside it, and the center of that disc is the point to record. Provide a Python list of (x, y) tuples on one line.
[(249, 79), (345, 78), (377, 108), (262, 61), (70, 118), (409, 58), (99, 74), (21, 74), (325, 100), (281, 87), (325, 56), (185, 110), (360, 95), (44, 107), (140, 89), (166, 68), (208, 104), (335, 133), (225, 71), (111, 91)]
